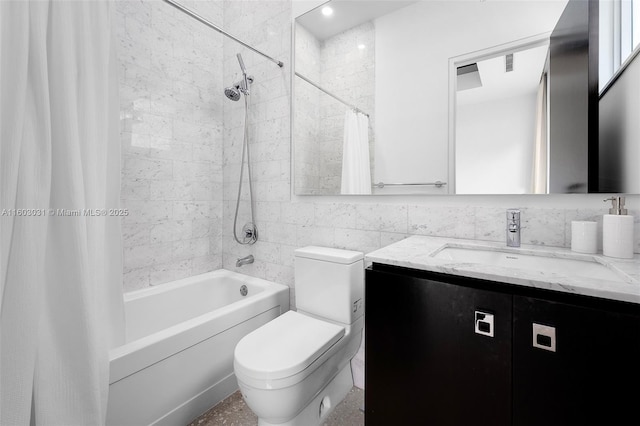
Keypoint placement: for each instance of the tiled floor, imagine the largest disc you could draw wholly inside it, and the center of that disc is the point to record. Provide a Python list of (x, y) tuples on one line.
[(234, 412)]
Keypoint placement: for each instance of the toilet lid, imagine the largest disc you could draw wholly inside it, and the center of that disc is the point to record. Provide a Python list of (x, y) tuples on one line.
[(285, 346)]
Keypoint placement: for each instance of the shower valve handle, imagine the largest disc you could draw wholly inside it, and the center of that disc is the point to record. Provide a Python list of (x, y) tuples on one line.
[(250, 232)]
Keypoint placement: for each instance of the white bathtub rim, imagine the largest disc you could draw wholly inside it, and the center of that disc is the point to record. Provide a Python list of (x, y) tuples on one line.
[(219, 273), (268, 288)]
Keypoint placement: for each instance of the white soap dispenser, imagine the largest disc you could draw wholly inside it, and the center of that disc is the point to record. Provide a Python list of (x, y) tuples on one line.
[(617, 231)]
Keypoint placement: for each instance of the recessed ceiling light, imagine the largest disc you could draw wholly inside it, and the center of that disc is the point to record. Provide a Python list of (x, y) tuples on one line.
[(327, 11), (361, 46)]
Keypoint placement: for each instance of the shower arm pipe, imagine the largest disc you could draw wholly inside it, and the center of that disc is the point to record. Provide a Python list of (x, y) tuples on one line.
[(213, 26), (353, 107)]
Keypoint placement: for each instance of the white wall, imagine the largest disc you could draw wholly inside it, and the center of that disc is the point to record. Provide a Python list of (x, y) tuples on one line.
[(413, 47), (498, 132)]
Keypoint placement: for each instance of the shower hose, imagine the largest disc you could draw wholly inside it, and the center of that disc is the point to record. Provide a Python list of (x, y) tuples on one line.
[(250, 230)]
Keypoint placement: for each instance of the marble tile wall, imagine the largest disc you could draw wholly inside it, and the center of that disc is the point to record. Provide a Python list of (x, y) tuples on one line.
[(267, 25), (171, 135)]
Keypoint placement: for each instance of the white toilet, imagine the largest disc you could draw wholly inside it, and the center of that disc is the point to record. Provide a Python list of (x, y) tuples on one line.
[(295, 369)]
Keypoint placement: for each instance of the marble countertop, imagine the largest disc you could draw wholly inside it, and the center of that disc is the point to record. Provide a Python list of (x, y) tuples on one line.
[(417, 252)]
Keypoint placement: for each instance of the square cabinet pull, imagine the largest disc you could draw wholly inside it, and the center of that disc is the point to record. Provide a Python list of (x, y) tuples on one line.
[(544, 337), (484, 323)]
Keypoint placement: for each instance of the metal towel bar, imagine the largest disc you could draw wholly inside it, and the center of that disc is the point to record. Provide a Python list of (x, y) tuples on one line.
[(437, 184)]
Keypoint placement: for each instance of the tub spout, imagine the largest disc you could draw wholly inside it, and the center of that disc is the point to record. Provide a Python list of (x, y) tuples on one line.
[(244, 260)]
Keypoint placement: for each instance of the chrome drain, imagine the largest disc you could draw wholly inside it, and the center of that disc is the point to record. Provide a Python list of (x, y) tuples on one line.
[(244, 290)]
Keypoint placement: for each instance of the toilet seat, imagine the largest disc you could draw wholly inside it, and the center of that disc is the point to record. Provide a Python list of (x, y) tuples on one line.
[(283, 348)]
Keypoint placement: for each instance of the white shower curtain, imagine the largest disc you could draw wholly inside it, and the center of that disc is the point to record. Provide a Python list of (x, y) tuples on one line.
[(356, 169), (60, 275)]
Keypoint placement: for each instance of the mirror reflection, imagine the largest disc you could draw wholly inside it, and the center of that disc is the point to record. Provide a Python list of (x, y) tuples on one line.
[(501, 118), (381, 105)]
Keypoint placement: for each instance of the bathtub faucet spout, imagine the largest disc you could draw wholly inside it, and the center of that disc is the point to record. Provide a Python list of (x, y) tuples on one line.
[(244, 260)]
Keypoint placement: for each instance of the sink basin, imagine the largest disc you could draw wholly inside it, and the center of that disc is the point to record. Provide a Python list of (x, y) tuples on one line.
[(531, 260)]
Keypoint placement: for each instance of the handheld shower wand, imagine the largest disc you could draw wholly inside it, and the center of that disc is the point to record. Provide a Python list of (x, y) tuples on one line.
[(242, 67), (244, 74)]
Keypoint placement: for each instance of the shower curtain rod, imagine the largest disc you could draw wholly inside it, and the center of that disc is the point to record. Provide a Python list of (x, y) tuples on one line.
[(211, 25), (331, 94)]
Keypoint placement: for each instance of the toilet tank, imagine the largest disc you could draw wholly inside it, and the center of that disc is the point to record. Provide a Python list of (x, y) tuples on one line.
[(329, 283)]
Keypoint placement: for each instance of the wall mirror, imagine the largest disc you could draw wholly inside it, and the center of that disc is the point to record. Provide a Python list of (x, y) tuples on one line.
[(455, 97)]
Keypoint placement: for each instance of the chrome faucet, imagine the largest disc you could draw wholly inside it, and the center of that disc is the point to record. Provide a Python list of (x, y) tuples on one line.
[(244, 260), (513, 228)]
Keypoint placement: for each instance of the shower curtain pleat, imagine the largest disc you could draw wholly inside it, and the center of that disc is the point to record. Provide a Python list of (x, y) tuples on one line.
[(356, 168), (61, 306)]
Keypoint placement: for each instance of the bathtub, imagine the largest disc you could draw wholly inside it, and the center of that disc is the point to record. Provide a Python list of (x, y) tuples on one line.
[(178, 357)]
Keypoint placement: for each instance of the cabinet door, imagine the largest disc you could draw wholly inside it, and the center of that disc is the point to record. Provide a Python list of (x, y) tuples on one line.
[(592, 375), (425, 362)]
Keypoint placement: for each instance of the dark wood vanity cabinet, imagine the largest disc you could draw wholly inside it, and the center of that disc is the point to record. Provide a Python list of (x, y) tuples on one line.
[(592, 376), (431, 359)]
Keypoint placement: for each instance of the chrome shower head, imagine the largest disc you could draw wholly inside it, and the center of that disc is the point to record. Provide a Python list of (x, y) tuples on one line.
[(238, 88), (232, 93)]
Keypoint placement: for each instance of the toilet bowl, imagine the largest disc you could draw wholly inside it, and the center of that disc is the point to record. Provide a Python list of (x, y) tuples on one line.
[(295, 369)]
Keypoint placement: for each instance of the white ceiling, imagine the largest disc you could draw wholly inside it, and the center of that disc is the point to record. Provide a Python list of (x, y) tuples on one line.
[(347, 14), (498, 84)]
